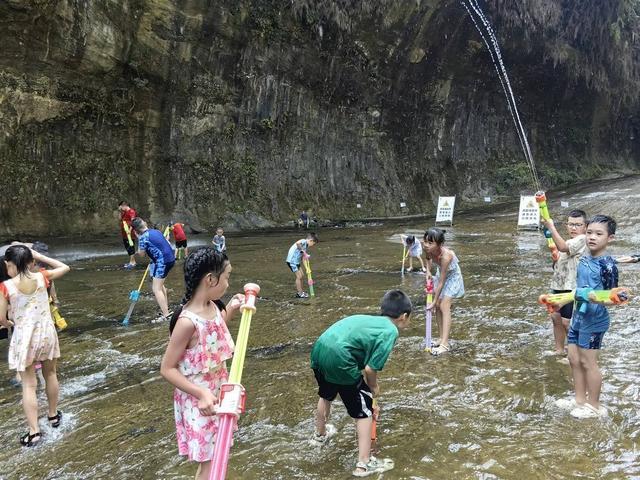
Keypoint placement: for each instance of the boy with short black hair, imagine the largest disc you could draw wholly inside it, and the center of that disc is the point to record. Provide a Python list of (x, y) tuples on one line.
[(564, 271), (294, 259), (590, 321), (346, 360)]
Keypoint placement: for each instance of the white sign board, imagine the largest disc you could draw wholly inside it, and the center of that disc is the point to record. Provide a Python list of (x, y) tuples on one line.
[(564, 204), (445, 209), (529, 213), (403, 205), (487, 199), (358, 205)]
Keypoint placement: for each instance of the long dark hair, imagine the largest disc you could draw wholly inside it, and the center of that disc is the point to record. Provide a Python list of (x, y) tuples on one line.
[(198, 264), (20, 256)]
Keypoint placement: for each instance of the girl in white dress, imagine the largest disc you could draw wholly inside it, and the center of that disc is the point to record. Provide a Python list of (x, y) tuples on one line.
[(34, 337)]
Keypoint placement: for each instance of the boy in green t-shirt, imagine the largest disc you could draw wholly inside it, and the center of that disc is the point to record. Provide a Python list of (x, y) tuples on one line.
[(345, 360)]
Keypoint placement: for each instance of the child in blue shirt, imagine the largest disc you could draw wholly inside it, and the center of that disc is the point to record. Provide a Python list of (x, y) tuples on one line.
[(294, 259), (590, 321), (152, 243)]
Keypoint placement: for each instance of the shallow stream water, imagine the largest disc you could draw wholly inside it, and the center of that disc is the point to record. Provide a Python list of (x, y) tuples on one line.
[(484, 411)]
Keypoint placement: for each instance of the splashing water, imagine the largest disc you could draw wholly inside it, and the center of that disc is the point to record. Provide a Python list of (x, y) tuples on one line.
[(496, 58)]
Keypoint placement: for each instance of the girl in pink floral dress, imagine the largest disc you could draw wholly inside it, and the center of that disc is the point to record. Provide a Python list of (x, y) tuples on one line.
[(199, 345), (34, 337)]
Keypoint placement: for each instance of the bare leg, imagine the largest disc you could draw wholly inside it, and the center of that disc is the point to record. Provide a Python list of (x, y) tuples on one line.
[(593, 377), (299, 288), (52, 386), (322, 415), (445, 309), (132, 259), (422, 263), (204, 469), (363, 428), (161, 298), (559, 332), (29, 399), (578, 374)]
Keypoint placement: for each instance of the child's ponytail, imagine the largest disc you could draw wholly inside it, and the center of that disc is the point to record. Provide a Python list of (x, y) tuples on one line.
[(197, 265), (20, 256)]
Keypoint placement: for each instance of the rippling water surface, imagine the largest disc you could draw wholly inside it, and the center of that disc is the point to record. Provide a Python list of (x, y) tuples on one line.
[(485, 411)]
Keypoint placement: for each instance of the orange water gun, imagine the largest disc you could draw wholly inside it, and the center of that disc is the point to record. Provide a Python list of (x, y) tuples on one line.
[(555, 301)]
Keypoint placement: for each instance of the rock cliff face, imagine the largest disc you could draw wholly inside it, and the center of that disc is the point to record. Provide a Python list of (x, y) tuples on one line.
[(203, 110)]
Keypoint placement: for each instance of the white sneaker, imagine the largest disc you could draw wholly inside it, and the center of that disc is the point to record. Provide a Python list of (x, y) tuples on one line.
[(588, 411), (566, 403)]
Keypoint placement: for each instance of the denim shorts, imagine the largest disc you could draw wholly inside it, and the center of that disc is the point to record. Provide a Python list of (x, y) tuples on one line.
[(586, 340)]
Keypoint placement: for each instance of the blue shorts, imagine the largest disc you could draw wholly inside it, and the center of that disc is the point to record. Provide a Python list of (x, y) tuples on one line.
[(586, 340), (160, 269), (293, 266)]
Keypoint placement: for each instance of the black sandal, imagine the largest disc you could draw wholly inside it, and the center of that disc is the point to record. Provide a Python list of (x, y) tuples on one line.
[(30, 440), (55, 420)]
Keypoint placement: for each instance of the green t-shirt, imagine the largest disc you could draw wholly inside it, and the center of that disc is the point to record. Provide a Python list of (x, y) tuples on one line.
[(345, 348)]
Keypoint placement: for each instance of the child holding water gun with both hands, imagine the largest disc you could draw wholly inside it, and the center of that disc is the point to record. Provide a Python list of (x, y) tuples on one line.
[(34, 338), (414, 250), (564, 271), (590, 321), (448, 284), (195, 359), (294, 259), (219, 242), (357, 345)]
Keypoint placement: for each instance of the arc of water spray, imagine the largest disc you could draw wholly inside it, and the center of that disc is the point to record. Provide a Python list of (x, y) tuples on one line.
[(496, 58)]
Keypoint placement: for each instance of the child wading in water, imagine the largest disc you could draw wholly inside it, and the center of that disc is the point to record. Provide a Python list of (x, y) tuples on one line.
[(199, 345), (564, 271), (34, 338), (414, 249), (346, 360), (590, 322), (448, 284), (294, 259)]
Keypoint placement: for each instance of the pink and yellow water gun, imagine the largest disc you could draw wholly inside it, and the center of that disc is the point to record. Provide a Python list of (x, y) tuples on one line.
[(428, 313), (232, 393)]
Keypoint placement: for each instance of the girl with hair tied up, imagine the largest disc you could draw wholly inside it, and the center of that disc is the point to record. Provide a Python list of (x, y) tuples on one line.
[(199, 345), (34, 338), (448, 284)]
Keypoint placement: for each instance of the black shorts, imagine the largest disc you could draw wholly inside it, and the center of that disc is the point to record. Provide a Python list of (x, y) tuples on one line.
[(294, 267), (131, 249), (4, 333), (181, 244), (567, 310), (357, 398)]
